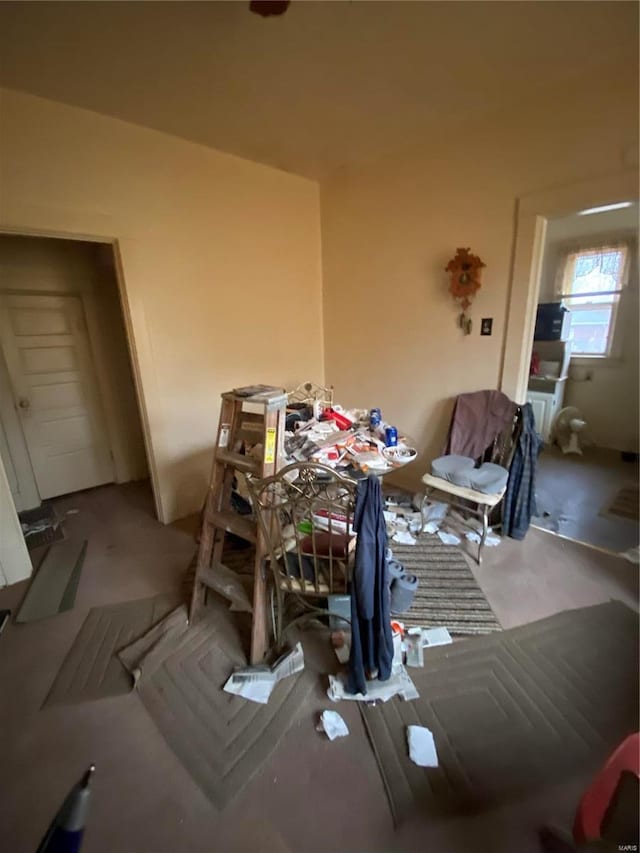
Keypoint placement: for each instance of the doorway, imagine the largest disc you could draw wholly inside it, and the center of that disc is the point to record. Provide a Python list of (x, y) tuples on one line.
[(69, 412), (583, 378)]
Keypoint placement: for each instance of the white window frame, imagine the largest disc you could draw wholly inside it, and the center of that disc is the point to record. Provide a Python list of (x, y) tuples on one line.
[(567, 270)]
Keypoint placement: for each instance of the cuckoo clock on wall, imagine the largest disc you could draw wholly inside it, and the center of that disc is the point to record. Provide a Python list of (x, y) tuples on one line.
[(465, 270)]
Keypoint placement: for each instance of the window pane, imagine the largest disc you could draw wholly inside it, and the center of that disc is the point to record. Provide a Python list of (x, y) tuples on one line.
[(590, 330), (597, 271)]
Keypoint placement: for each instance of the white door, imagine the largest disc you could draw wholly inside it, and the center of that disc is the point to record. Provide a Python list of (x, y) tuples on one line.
[(46, 348)]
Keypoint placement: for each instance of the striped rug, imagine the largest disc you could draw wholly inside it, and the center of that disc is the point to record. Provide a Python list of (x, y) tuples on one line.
[(448, 593)]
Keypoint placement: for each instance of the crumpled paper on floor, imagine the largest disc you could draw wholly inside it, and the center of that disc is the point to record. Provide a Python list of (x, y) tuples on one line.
[(435, 511), (448, 538), (256, 683), (403, 537), (422, 746), (332, 724), (491, 541)]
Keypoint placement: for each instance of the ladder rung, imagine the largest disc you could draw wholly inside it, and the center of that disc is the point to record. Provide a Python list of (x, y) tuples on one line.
[(206, 575), (232, 522), (238, 460)]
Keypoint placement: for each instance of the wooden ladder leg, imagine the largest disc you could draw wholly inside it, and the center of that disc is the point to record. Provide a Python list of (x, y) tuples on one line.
[(274, 423), (203, 559), (210, 548)]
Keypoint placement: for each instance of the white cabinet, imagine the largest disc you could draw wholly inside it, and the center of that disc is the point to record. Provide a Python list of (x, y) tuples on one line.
[(546, 390), (546, 405), (540, 405)]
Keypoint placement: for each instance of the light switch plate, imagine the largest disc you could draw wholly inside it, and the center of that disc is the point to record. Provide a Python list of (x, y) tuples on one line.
[(486, 326)]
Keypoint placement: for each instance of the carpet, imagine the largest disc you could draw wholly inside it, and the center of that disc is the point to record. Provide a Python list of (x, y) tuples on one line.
[(91, 670), (53, 587), (222, 740), (626, 503), (513, 711), (448, 593)]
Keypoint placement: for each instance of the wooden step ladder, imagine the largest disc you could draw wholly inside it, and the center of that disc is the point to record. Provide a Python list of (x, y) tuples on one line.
[(255, 415)]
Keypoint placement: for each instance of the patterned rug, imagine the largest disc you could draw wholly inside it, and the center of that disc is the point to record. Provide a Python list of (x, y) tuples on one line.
[(91, 669), (222, 740), (448, 593), (512, 712)]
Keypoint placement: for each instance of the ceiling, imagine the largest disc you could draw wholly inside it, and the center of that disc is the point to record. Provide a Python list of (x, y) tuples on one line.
[(325, 85)]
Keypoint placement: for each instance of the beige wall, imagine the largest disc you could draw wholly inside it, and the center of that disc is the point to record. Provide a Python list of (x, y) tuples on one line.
[(608, 400), (220, 259), (389, 229), (46, 265)]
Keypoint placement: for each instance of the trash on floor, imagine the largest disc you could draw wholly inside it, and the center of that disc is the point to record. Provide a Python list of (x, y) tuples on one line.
[(403, 537), (448, 538), (332, 724), (422, 746), (435, 511), (491, 541), (256, 683), (415, 655), (436, 637), (400, 684), (40, 526), (341, 642)]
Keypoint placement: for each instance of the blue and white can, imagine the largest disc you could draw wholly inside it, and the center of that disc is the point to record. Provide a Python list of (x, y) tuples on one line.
[(375, 418), (391, 436)]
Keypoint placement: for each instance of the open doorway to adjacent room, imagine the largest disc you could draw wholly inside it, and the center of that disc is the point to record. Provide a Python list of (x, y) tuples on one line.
[(583, 382), (70, 418)]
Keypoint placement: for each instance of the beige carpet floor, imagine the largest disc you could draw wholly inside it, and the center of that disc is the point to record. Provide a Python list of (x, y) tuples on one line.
[(309, 795)]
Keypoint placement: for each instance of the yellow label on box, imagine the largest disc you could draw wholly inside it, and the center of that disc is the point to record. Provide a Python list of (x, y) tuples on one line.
[(270, 446)]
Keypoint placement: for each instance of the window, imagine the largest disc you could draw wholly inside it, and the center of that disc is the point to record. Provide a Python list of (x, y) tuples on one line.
[(590, 286)]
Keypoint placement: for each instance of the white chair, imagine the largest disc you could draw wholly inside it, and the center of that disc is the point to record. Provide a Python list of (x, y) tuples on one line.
[(468, 500)]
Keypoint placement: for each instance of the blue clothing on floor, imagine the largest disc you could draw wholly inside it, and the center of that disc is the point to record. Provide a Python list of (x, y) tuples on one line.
[(520, 498), (371, 640)]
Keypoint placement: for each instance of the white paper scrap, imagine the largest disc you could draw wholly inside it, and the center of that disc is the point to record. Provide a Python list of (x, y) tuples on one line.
[(289, 664), (448, 538), (431, 527), (422, 747), (435, 511), (256, 683), (414, 647), (377, 691), (257, 690), (436, 637), (491, 541), (404, 538), (332, 724)]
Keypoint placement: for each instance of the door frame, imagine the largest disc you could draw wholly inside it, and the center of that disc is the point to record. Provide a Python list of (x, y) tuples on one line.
[(16, 446), (139, 347), (532, 213)]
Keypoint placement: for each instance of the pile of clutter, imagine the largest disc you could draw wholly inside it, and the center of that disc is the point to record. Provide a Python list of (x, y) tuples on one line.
[(339, 438)]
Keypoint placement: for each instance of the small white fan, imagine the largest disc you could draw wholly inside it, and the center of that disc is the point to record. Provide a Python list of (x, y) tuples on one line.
[(568, 428)]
